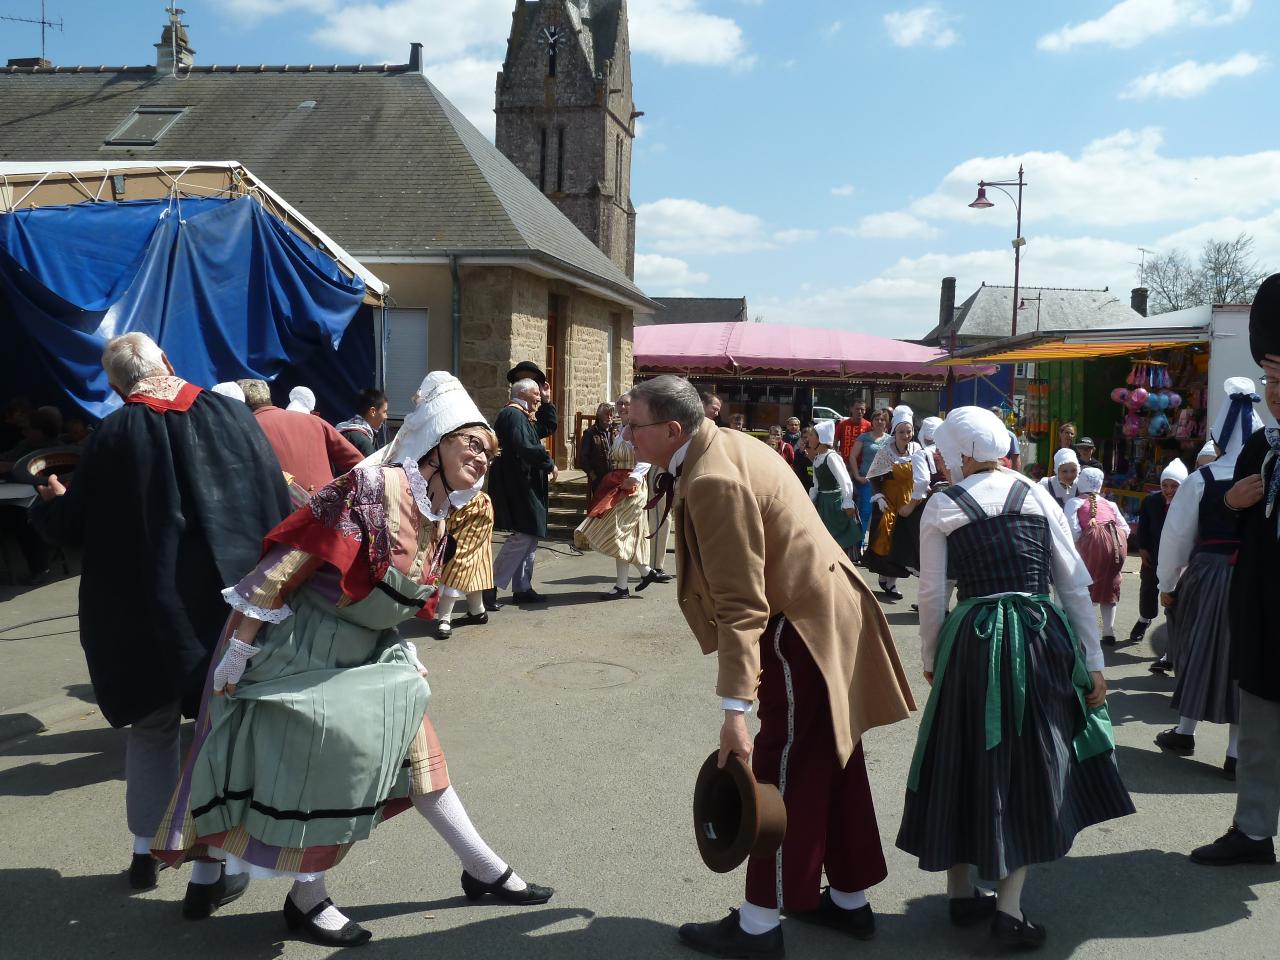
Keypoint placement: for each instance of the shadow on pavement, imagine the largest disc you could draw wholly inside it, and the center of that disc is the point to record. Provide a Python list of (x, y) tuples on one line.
[(103, 760)]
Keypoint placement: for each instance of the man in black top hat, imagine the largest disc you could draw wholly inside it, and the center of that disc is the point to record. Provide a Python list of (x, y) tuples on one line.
[(518, 480), (1255, 626), (1085, 448)]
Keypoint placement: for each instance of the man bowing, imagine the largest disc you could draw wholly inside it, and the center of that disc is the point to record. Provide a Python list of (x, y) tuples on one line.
[(765, 587)]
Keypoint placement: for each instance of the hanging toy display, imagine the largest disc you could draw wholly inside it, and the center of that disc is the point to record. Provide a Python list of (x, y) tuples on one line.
[(1159, 426), (1132, 425)]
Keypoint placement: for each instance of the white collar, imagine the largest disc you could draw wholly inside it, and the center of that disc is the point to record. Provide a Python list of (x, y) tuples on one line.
[(523, 405), (677, 458)]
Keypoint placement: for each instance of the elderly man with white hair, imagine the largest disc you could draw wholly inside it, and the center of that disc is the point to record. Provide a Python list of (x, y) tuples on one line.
[(171, 501), (520, 477), (1014, 756)]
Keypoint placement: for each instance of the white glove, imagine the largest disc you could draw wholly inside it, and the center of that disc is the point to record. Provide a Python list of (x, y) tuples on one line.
[(884, 504), (411, 649), (231, 668)]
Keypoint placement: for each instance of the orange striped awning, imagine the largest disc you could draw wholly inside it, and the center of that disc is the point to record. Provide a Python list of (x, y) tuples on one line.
[(1064, 348)]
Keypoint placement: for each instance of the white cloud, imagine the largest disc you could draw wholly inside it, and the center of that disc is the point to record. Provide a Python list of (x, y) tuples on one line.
[(1118, 180), (385, 30), (1191, 78), (831, 29), (679, 31), (1265, 231), (892, 225), (795, 236), (920, 26), (666, 276), (1130, 22), (674, 225), (902, 301), (257, 9), (843, 190)]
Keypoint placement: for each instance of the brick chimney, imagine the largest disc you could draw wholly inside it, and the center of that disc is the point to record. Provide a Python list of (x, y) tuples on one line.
[(1138, 299), (947, 302), (174, 49)]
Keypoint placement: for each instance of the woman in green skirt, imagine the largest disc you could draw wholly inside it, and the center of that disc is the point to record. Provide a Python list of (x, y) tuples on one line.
[(314, 727), (832, 491)]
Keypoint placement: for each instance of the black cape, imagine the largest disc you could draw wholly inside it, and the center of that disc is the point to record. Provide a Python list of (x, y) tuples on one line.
[(1255, 621), (170, 508), (1151, 517), (518, 480)]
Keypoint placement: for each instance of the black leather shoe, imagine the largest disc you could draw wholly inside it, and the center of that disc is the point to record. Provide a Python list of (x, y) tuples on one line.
[(204, 898), (893, 593), (1138, 632), (1108, 640), (1234, 847), (653, 576), (527, 596), (443, 628), (472, 620), (1229, 768), (1017, 933), (142, 871), (617, 593), (490, 598), (859, 923), (1161, 666), (726, 938), (1183, 744), (530, 896), (967, 911), (350, 935)]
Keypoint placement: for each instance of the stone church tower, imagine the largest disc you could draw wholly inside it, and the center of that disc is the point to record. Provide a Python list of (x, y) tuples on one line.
[(566, 117)]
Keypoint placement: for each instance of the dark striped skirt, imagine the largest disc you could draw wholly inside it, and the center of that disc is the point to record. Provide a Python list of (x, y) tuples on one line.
[(1024, 800), (1200, 636), (905, 549)]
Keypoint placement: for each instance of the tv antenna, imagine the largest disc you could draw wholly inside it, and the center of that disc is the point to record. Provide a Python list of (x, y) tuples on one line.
[(1142, 264), (45, 25)]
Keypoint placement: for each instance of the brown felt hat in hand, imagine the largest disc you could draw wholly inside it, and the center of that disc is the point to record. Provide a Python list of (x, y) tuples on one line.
[(734, 816)]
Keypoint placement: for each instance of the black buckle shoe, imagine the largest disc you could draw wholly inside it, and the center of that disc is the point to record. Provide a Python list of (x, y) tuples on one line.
[(142, 871), (859, 923), (530, 896), (472, 620), (490, 598), (351, 934), (1139, 631), (1108, 640), (1234, 847), (726, 938), (1017, 933), (1161, 666), (204, 898), (1183, 744), (617, 593), (967, 911)]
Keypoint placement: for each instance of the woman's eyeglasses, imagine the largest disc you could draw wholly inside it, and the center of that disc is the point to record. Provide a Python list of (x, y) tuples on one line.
[(474, 445)]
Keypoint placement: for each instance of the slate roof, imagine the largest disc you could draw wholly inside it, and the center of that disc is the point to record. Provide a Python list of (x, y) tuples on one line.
[(701, 309), (382, 162), (988, 313)]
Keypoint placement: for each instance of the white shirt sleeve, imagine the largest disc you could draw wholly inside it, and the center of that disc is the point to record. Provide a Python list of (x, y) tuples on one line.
[(640, 472), (933, 577), (920, 473), (1121, 523), (1178, 538), (733, 703), (1071, 581), (1072, 512), (847, 498)]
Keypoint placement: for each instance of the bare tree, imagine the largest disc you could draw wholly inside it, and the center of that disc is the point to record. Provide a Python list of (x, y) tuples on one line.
[(1229, 271), (1173, 282)]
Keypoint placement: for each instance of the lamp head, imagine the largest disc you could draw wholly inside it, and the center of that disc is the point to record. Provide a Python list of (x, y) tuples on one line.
[(981, 202)]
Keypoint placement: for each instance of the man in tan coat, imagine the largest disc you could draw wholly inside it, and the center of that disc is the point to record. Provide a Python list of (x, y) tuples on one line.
[(798, 635)]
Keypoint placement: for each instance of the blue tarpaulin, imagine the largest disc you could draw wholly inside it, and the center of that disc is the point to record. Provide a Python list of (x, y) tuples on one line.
[(225, 288)]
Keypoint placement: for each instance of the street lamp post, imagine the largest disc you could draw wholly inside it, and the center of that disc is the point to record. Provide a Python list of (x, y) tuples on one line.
[(982, 203)]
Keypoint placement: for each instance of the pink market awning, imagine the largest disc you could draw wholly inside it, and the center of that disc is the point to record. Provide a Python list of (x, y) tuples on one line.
[(763, 349)]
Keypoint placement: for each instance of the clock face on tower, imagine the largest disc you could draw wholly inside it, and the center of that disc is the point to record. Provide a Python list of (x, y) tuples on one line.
[(553, 36)]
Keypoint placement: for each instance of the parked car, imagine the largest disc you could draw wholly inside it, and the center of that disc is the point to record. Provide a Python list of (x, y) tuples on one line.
[(826, 413)]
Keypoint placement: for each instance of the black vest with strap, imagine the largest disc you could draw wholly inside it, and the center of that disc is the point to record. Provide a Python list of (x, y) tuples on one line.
[(1218, 529), (1011, 552)]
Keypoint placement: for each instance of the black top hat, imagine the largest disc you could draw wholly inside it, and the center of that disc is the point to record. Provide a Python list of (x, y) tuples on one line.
[(734, 816), (36, 467), (527, 370), (1264, 319)]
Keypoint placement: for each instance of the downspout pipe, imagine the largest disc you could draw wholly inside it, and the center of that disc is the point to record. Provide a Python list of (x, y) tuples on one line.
[(456, 316)]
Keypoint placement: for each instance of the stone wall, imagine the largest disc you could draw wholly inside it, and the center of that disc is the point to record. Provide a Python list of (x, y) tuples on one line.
[(487, 333)]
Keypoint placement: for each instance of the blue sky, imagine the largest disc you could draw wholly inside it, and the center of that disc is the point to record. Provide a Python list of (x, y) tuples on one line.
[(818, 156)]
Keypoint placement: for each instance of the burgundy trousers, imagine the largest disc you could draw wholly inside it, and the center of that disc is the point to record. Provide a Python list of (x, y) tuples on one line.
[(831, 819)]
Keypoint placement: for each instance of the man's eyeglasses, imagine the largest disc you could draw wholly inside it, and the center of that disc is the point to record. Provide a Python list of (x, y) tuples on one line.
[(633, 427)]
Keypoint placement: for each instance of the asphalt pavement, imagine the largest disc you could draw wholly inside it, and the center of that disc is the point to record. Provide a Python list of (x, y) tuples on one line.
[(574, 732)]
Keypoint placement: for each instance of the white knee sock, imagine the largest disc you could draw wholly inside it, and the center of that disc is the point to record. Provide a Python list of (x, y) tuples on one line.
[(141, 845), (1009, 893), (891, 582), (1108, 611), (306, 895), (475, 602), (1233, 738), (643, 568), (1187, 725), (757, 920), (623, 568), (960, 882), (446, 607), (851, 900), (205, 872), (444, 811)]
